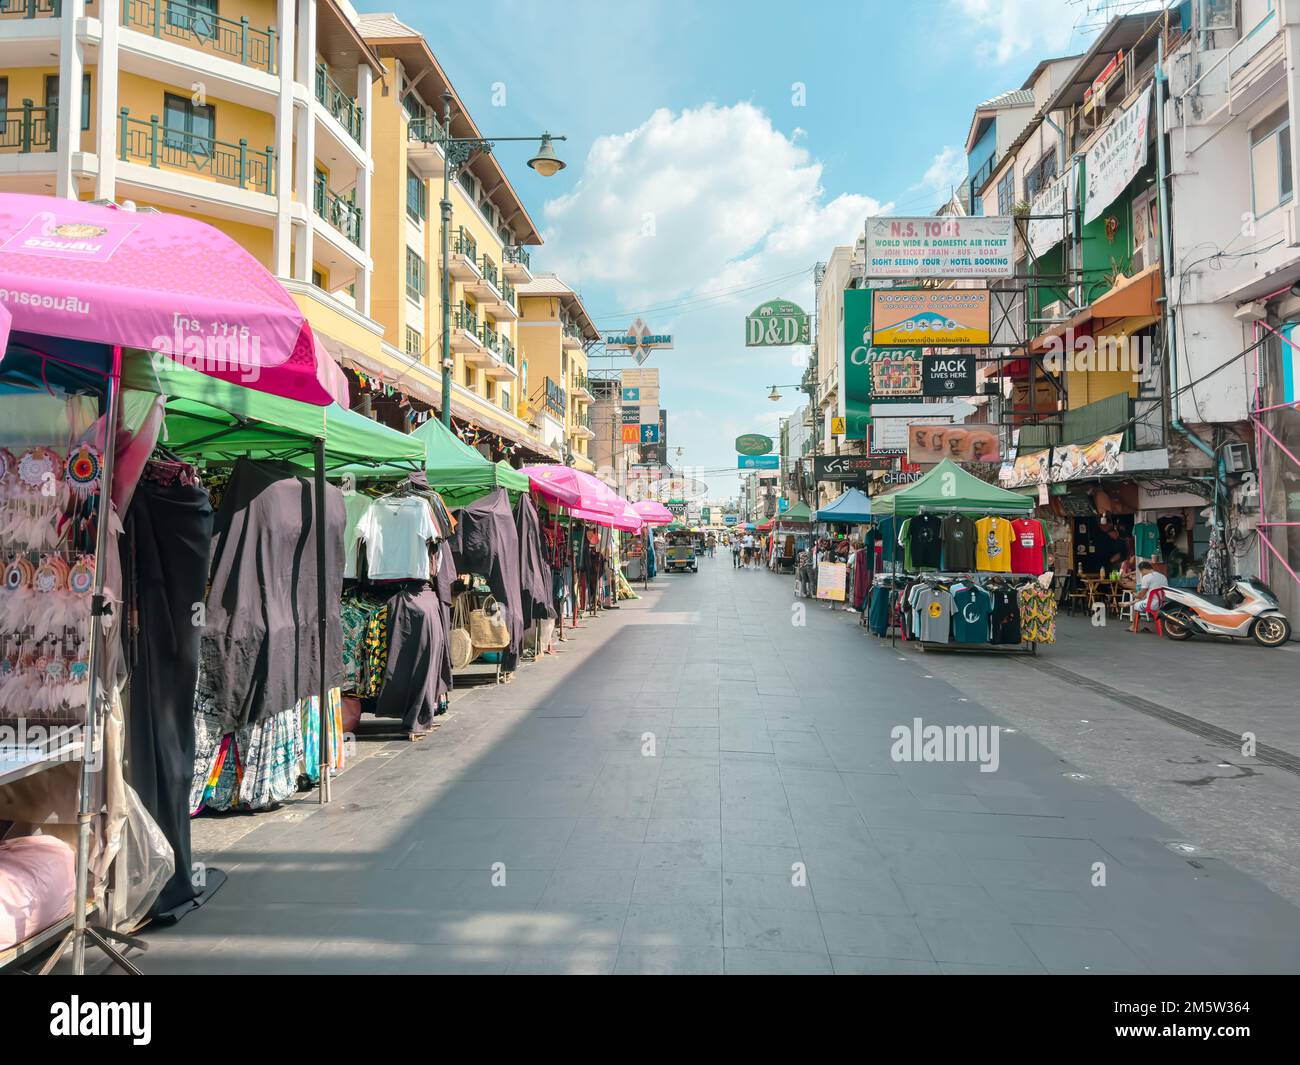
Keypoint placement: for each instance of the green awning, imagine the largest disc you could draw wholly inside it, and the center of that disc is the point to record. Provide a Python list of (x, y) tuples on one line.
[(210, 418), (799, 514), (948, 487)]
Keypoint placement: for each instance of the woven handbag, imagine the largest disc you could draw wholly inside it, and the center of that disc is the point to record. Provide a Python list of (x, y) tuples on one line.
[(488, 628), (462, 647)]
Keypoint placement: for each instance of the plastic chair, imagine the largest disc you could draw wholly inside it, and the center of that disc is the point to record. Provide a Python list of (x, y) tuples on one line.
[(1125, 610), (1150, 611)]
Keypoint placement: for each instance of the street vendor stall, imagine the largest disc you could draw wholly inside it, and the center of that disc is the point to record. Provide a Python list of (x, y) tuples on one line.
[(973, 568), (91, 292)]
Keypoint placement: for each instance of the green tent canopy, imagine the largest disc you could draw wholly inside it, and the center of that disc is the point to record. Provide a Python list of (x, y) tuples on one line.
[(211, 418), (799, 514), (459, 472), (949, 487)]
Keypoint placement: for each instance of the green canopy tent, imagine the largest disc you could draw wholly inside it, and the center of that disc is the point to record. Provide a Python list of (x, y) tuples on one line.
[(949, 487), (217, 420), (799, 514), (460, 473)]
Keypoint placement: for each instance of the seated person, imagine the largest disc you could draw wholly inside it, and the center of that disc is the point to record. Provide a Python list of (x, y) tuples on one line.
[(1149, 579)]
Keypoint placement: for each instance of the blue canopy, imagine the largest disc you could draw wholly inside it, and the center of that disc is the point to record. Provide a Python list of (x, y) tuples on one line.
[(852, 508)]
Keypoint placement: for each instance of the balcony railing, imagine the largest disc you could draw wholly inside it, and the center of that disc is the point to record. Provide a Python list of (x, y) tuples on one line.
[(508, 293), (425, 128), (581, 421), (491, 338), (466, 245), (490, 273), (198, 27), (30, 9), (516, 254), (342, 214), (507, 351), (152, 143), (581, 382), (338, 103), (465, 319), (28, 128)]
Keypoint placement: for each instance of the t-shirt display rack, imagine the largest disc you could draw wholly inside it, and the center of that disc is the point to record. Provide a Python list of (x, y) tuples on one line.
[(1016, 579)]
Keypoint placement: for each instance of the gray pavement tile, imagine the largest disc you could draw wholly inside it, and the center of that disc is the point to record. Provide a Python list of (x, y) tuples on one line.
[(1079, 949), (743, 962), (756, 858), (772, 929), (1047, 907), (878, 895), (778, 831), (599, 854), (765, 891), (949, 968), (653, 925), (678, 885), (684, 830), (853, 965), (975, 942), (988, 845), (966, 901), (669, 961), (363, 957), (875, 935), (609, 830), (569, 886), (563, 961), (696, 854)]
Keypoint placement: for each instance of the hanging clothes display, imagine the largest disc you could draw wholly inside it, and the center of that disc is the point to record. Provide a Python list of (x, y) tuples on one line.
[(958, 538), (535, 581), (1037, 613), (417, 669), (1029, 542), (260, 646), (396, 531), (993, 545), (972, 609), (168, 538), (1005, 617), (487, 543), (925, 541)]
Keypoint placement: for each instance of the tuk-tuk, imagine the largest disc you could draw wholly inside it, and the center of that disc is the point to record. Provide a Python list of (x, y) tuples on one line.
[(681, 553)]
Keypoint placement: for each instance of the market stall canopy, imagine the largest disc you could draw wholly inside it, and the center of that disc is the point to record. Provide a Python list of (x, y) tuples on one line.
[(653, 513), (852, 508), (949, 487), (767, 525), (158, 282), (460, 473), (554, 483), (799, 514), (211, 417)]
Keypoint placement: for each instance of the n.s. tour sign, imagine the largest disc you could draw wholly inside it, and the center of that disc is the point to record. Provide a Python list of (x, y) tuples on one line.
[(940, 247), (776, 323), (753, 444)]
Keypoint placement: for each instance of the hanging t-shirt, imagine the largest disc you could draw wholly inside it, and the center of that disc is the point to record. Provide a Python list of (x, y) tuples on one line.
[(1028, 546), (958, 543), (905, 542), (926, 540), (971, 608), (1146, 539), (888, 539), (993, 545), (1005, 617), (934, 611), (396, 530), (356, 506)]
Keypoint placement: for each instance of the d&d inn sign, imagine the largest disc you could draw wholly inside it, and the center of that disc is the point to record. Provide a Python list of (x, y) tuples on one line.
[(754, 444), (776, 323)]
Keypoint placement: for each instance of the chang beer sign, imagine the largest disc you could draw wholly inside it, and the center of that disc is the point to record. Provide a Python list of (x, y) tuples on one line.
[(776, 324), (754, 444)]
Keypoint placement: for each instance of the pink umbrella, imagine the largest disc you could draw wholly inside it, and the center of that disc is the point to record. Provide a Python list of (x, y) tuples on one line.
[(626, 521), (556, 483), (653, 513), (160, 282)]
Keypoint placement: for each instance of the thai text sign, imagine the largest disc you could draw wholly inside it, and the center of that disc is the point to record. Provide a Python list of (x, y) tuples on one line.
[(946, 317), (1045, 233), (831, 578), (1114, 160), (753, 444), (940, 247)]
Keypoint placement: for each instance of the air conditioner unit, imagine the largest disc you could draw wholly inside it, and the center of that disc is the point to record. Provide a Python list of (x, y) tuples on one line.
[(1236, 458), (1290, 226)]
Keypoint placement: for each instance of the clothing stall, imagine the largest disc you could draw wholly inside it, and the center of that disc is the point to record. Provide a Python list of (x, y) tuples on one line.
[(92, 293), (970, 568), (853, 507)]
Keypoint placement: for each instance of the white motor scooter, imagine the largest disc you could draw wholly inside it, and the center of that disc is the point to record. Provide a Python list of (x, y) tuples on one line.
[(1247, 609)]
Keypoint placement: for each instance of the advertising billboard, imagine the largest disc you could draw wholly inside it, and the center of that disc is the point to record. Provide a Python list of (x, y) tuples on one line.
[(946, 317), (940, 247), (870, 374), (960, 443)]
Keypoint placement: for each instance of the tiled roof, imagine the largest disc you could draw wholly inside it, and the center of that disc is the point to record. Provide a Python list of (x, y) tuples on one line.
[(1010, 98)]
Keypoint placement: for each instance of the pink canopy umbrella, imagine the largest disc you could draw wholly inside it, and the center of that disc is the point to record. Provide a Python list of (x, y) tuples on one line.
[(626, 521), (653, 513), (556, 483), (160, 282)]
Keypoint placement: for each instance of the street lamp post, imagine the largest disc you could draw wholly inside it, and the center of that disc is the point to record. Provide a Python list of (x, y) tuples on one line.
[(456, 152)]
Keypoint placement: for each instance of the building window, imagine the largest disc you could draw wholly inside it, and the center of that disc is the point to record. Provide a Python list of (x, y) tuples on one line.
[(489, 212), (1040, 175), (466, 180), (505, 400), (1270, 162), (1146, 230), (417, 202), (414, 343), (187, 126), (416, 279), (4, 104), (1007, 192), (52, 98), (317, 278)]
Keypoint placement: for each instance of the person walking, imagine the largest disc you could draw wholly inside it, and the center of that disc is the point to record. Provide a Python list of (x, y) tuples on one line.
[(735, 553)]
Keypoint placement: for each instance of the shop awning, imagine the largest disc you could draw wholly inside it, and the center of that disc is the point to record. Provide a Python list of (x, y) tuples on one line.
[(799, 514), (948, 487), (459, 472), (1134, 297), (852, 508)]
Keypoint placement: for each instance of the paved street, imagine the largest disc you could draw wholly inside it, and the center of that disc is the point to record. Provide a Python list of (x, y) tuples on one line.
[(769, 830)]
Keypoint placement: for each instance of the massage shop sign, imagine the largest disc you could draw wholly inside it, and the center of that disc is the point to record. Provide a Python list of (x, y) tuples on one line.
[(1116, 157), (775, 324), (1065, 462), (940, 247)]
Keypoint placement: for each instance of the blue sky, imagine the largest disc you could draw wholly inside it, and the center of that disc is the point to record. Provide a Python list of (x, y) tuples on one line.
[(717, 150)]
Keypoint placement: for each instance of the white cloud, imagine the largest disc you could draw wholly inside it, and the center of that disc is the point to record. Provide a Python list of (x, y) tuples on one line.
[(691, 202), (946, 170), (1012, 28)]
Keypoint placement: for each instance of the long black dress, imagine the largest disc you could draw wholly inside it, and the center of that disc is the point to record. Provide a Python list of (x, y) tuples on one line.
[(487, 543)]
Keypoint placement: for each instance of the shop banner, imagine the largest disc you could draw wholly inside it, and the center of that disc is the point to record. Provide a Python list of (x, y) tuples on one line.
[(1045, 234), (758, 462), (776, 323), (947, 317), (849, 467), (650, 433), (631, 433), (1114, 160), (946, 247), (948, 375), (631, 414), (831, 579), (932, 443), (1066, 462), (754, 444)]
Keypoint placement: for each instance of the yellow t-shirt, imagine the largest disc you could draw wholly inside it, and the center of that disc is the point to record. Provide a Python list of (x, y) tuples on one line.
[(993, 545)]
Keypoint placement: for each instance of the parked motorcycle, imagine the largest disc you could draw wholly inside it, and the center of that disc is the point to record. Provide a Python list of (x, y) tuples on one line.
[(1247, 609)]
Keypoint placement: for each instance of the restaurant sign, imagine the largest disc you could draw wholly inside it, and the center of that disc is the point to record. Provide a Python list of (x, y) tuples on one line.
[(776, 323), (754, 444)]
